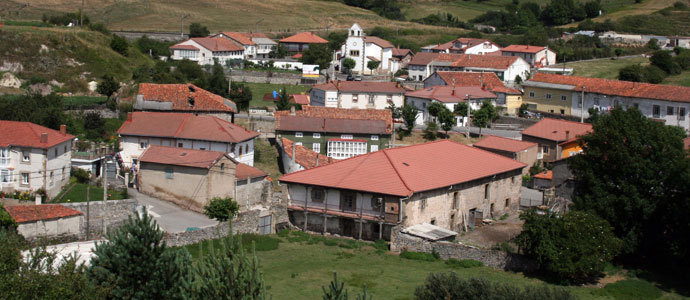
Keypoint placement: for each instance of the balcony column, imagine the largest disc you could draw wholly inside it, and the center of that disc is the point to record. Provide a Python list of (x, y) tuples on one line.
[(361, 215), (306, 214), (325, 214)]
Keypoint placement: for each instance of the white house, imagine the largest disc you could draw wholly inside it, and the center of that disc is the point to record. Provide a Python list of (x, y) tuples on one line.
[(264, 45), (363, 49), (357, 94), (207, 50), (449, 96), (201, 132), (256, 45), (537, 56), (464, 46), (34, 157), (506, 68)]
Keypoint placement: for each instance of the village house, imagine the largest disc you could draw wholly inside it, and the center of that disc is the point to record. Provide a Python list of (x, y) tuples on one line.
[(365, 196), (50, 221), (563, 94), (207, 50), (336, 132), (465, 46), (256, 45), (357, 94), (183, 98), (300, 99), (363, 49), (522, 151), (449, 96), (33, 157), (536, 56), (550, 133), (509, 98), (506, 68), (401, 57), (300, 42), (200, 132), (297, 157)]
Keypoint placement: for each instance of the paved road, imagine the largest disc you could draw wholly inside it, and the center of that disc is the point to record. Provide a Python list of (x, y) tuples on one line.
[(171, 217)]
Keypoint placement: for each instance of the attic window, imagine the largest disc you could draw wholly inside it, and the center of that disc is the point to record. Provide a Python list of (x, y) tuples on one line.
[(192, 89), (191, 101)]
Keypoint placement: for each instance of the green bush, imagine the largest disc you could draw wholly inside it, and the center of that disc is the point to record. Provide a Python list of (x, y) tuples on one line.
[(221, 209), (6, 220), (330, 242), (261, 242), (418, 256), (119, 45), (81, 175), (100, 27), (449, 286), (630, 289), (284, 233), (464, 263)]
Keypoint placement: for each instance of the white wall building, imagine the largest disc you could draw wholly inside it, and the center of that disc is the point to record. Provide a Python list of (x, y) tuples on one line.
[(505, 67), (207, 50), (536, 56), (363, 49), (464, 46), (357, 94), (449, 96)]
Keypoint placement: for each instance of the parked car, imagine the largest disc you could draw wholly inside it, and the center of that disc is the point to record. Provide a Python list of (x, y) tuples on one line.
[(350, 77), (358, 77)]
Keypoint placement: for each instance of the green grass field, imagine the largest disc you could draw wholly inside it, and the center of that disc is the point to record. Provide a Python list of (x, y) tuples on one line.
[(78, 194), (259, 89), (603, 68)]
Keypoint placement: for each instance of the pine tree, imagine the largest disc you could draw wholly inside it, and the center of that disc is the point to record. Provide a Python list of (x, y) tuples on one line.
[(283, 100), (336, 290)]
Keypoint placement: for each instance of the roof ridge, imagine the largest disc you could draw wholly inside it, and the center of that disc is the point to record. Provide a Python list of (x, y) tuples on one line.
[(182, 124), (385, 153)]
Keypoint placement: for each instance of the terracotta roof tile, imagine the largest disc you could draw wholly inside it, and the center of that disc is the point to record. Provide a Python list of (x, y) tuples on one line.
[(187, 126), (304, 38), (244, 171), (300, 99), (184, 47), (378, 41), (488, 79), (449, 94), (548, 175), (617, 87), (406, 170), (362, 86), (31, 213), (26, 134), (179, 95), (686, 143), (402, 52), (484, 61), (504, 144), (331, 119), (180, 156), (213, 44), (555, 130), (523, 48), (241, 37), (304, 156)]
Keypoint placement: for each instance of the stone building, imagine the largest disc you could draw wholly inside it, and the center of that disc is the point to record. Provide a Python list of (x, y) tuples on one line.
[(183, 98), (550, 133), (442, 183), (50, 221), (522, 151), (300, 42)]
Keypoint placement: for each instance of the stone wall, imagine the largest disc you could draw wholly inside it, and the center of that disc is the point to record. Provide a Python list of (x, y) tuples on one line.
[(521, 122), (269, 77), (253, 193), (492, 258), (10, 202), (104, 216)]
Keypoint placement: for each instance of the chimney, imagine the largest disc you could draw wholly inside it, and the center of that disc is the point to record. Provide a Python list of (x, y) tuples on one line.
[(63, 129), (567, 135), (293, 152), (44, 138), (452, 92), (398, 84), (129, 117)]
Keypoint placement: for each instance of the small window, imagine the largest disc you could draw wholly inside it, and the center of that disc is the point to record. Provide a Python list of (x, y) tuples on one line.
[(681, 113), (374, 137), (346, 136), (317, 195), (422, 204), (486, 191), (670, 110), (545, 149), (564, 97), (355, 98), (180, 145), (316, 147), (222, 166), (374, 148), (507, 202), (246, 148), (25, 178), (531, 94), (51, 177), (456, 199), (433, 222), (354, 52), (299, 134), (389, 98), (548, 96), (26, 155), (656, 111), (56, 152), (202, 148), (512, 179), (168, 173), (371, 99), (316, 135), (562, 111), (240, 151)]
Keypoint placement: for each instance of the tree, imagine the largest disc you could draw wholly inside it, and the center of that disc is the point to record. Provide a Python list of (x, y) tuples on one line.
[(633, 172), (317, 54), (119, 44), (618, 51), (279, 51), (518, 79), (94, 125), (573, 247), (485, 115), (653, 74), (6, 221), (348, 64), (634, 73), (241, 95), (108, 86), (592, 8), (409, 114), (450, 286), (283, 102), (46, 111), (435, 108), (653, 44), (447, 120), (664, 61), (134, 262), (336, 39), (396, 112), (431, 131), (218, 83), (198, 30), (461, 109), (372, 65), (221, 209), (336, 290)]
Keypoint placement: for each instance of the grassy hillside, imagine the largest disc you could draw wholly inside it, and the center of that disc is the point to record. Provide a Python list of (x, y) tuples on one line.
[(73, 57), (607, 68)]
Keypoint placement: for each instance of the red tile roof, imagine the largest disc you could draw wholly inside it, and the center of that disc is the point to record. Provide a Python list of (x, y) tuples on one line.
[(44, 212), (186, 126), (180, 156), (179, 95), (362, 86), (444, 46), (449, 94), (184, 47), (523, 48), (299, 99), (468, 42), (484, 61), (406, 170), (548, 175), (26, 134), (213, 44), (304, 156), (297, 56), (331, 119), (240, 37), (244, 171), (504, 144), (304, 38), (555, 130), (488, 79), (402, 52), (424, 58), (378, 41), (618, 87)]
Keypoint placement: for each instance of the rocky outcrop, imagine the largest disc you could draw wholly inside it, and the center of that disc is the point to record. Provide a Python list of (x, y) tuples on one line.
[(9, 80)]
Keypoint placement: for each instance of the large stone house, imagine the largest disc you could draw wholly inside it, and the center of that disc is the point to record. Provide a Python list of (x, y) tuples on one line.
[(33, 157), (536, 56), (183, 98), (561, 94), (207, 50), (365, 196), (508, 97), (201, 132), (465, 46), (507, 68), (337, 132), (363, 49), (522, 151), (357, 94), (551, 133), (449, 96), (300, 42)]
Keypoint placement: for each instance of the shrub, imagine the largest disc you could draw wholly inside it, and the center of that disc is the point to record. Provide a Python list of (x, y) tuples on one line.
[(284, 233), (464, 263), (81, 175), (6, 220), (631, 289), (418, 256), (431, 131), (100, 27), (449, 286), (119, 45), (259, 242), (221, 209), (653, 74)]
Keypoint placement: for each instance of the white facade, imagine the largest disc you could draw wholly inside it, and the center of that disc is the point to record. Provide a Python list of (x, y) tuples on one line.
[(30, 169), (423, 115), (483, 48), (134, 146), (204, 56), (546, 57), (361, 100), (357, 48)]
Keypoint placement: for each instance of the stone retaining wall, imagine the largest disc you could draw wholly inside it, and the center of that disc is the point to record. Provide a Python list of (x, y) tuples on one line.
[(104, 216)]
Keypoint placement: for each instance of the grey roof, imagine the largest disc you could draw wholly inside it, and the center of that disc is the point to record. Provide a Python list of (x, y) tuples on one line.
[(312, 124), (263, 41), (429, 232)]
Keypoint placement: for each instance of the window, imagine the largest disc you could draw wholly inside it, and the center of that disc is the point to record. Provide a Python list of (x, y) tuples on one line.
[(222, 166), (669, 110), (63, 174), (56, 151), (355, 98), (346, 136), (371, 99), (636, 105), (348, 201), (656, 111), (507, 202), (512, 179), (681, 113), (143, 145), (25, 178), (354, 52), (202, 148), (456, 199), (316, 147), (5, 176), (246, 148), (344, 149), (545, 149), (564, 97), (317, 195), (51, 177), (433, 221), (4, 156), (180, 145), (168, 173), (389, 98), (65, 149), (374, 148), (299, 134), (422, 204), (486, 191), (531, 94), (374, 137), (562, 111), (316, 135), (26, 155), (241, 151), (548, 96)]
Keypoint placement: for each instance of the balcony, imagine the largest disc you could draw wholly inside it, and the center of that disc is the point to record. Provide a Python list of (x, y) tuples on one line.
[(347, 212)]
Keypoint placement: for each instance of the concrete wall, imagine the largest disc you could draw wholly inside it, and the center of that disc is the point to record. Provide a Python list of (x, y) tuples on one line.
[(269, 77), (346, 100), (549, 149), (190, 188), (104, 216), (308, 139), (69, 227)]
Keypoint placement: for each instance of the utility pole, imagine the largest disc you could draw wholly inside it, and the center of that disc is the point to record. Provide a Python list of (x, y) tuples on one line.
[(104, 176), (582, 108), (182, 17), (81, 12), (468, 115), (88, 211)]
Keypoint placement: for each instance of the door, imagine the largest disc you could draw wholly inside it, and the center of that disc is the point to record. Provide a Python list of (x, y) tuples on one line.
[(265, 224), (348, 227), (348, 201)]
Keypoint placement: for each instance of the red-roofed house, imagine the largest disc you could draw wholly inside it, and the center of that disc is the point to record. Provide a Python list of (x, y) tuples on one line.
[(543, 180), (207, 50), (550, 133), (507, 68), (46, 221), (357, 94), (363, 49), (301, 41), (536, 56), (185, 98), (296, 157), (402, 57), (201, 132), (522, 151), (449, 96), (34, 157), (404, 186), (256, 45), (300, 99), (464, 46), (509, 98), (563, 94)]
